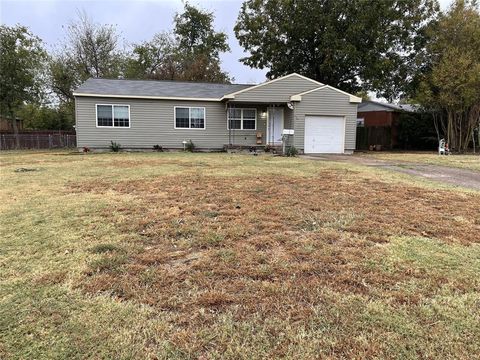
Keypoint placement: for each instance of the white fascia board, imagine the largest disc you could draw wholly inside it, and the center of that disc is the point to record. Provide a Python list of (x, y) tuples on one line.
[(232, 95), (146, 97), (352, 98)]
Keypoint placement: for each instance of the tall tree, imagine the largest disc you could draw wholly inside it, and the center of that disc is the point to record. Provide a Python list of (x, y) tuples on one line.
[(199, 45), (351, 44), (191, 52), (195, 33), (156, 59), (450, 87), (21, 62), (90, 50)]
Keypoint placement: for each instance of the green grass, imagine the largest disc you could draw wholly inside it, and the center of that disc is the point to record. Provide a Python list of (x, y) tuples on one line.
[(100, 259)]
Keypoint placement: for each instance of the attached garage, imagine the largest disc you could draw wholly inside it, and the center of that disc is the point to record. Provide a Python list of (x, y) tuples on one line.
[(324, 134), (325, 121)]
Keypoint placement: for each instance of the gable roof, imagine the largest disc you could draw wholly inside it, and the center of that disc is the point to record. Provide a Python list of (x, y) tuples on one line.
[(371, 105), (156, 89), (353, 98), (184, 90), (232, 95)]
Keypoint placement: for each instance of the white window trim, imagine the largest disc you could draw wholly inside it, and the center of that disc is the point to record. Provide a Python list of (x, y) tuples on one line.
[(189, 117), (241, 119), (113, 119)]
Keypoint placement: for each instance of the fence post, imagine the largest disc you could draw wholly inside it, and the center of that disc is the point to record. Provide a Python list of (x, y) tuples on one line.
[(38, 142), (49, 141)]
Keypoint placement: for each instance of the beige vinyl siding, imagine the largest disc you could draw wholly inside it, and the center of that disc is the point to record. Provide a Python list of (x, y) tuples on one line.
[(277, 91), (151, 123), (152, 120), (326, 102)]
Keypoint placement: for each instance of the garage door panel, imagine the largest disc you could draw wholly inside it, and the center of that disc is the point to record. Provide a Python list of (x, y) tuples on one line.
[(324, 134)]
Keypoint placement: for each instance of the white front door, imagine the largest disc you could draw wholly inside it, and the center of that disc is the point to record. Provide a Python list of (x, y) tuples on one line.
[(324, 134), (274, 125)]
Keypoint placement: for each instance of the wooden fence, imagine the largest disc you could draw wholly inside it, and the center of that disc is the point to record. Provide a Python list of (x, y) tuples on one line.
[(38, 141), (374, 135)]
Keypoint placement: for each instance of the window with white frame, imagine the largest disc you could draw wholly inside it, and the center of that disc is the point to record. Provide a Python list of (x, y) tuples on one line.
[(242, 119), (189, 117), (113, 115)]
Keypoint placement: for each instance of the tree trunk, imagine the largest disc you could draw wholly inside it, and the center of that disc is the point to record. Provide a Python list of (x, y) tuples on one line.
[(15, 131), (435, 123), (473, 140), (478, 133)]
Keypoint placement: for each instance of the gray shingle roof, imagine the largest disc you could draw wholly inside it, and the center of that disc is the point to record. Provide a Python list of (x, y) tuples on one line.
[(160, 88), (388, 106)]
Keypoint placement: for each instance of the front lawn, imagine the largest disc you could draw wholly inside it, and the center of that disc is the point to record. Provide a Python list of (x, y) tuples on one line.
[(217, 256)]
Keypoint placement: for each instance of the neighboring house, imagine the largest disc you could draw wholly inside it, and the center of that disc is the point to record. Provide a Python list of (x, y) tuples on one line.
[(381, 122), (7, 126), (139, 114)]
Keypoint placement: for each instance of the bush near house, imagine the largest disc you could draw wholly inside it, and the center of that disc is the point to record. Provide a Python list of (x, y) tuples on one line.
[(115, 147)]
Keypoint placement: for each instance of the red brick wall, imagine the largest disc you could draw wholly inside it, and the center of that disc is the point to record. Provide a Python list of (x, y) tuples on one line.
[(377, 118)]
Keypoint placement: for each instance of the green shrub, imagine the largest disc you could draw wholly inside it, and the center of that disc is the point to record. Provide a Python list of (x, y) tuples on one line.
[(190, 146), (115, 147), (416, 131), (291, 151)]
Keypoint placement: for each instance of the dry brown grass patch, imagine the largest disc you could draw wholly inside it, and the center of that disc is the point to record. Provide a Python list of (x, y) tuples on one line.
[(269, 246)]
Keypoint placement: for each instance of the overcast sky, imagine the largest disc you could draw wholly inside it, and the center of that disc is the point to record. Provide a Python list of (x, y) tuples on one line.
[(136, 20)]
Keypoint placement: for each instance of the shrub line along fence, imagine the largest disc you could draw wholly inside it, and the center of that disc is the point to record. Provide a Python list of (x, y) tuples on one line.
[(38, 140)]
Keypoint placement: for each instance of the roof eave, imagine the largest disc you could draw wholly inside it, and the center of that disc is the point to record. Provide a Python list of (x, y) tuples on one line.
[(352, 98), (147, 97), (227, 96)]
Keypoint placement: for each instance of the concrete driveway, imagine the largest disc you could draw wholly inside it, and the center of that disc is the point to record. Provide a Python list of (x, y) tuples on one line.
[(461, 177)]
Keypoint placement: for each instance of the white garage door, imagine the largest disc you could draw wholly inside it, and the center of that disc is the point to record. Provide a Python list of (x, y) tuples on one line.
[(324, 134)]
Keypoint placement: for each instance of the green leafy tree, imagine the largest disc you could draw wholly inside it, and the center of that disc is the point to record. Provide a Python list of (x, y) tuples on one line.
[(196, 35), (156, 59), (450, 88), (39, 117), (351, 44), (21, 63), (191, 52)]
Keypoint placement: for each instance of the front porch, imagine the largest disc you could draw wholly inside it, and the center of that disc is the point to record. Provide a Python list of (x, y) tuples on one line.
[(258, 125)]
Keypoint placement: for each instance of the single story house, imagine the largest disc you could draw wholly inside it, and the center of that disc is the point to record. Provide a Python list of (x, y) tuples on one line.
[(381, 122), (138, 114)]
